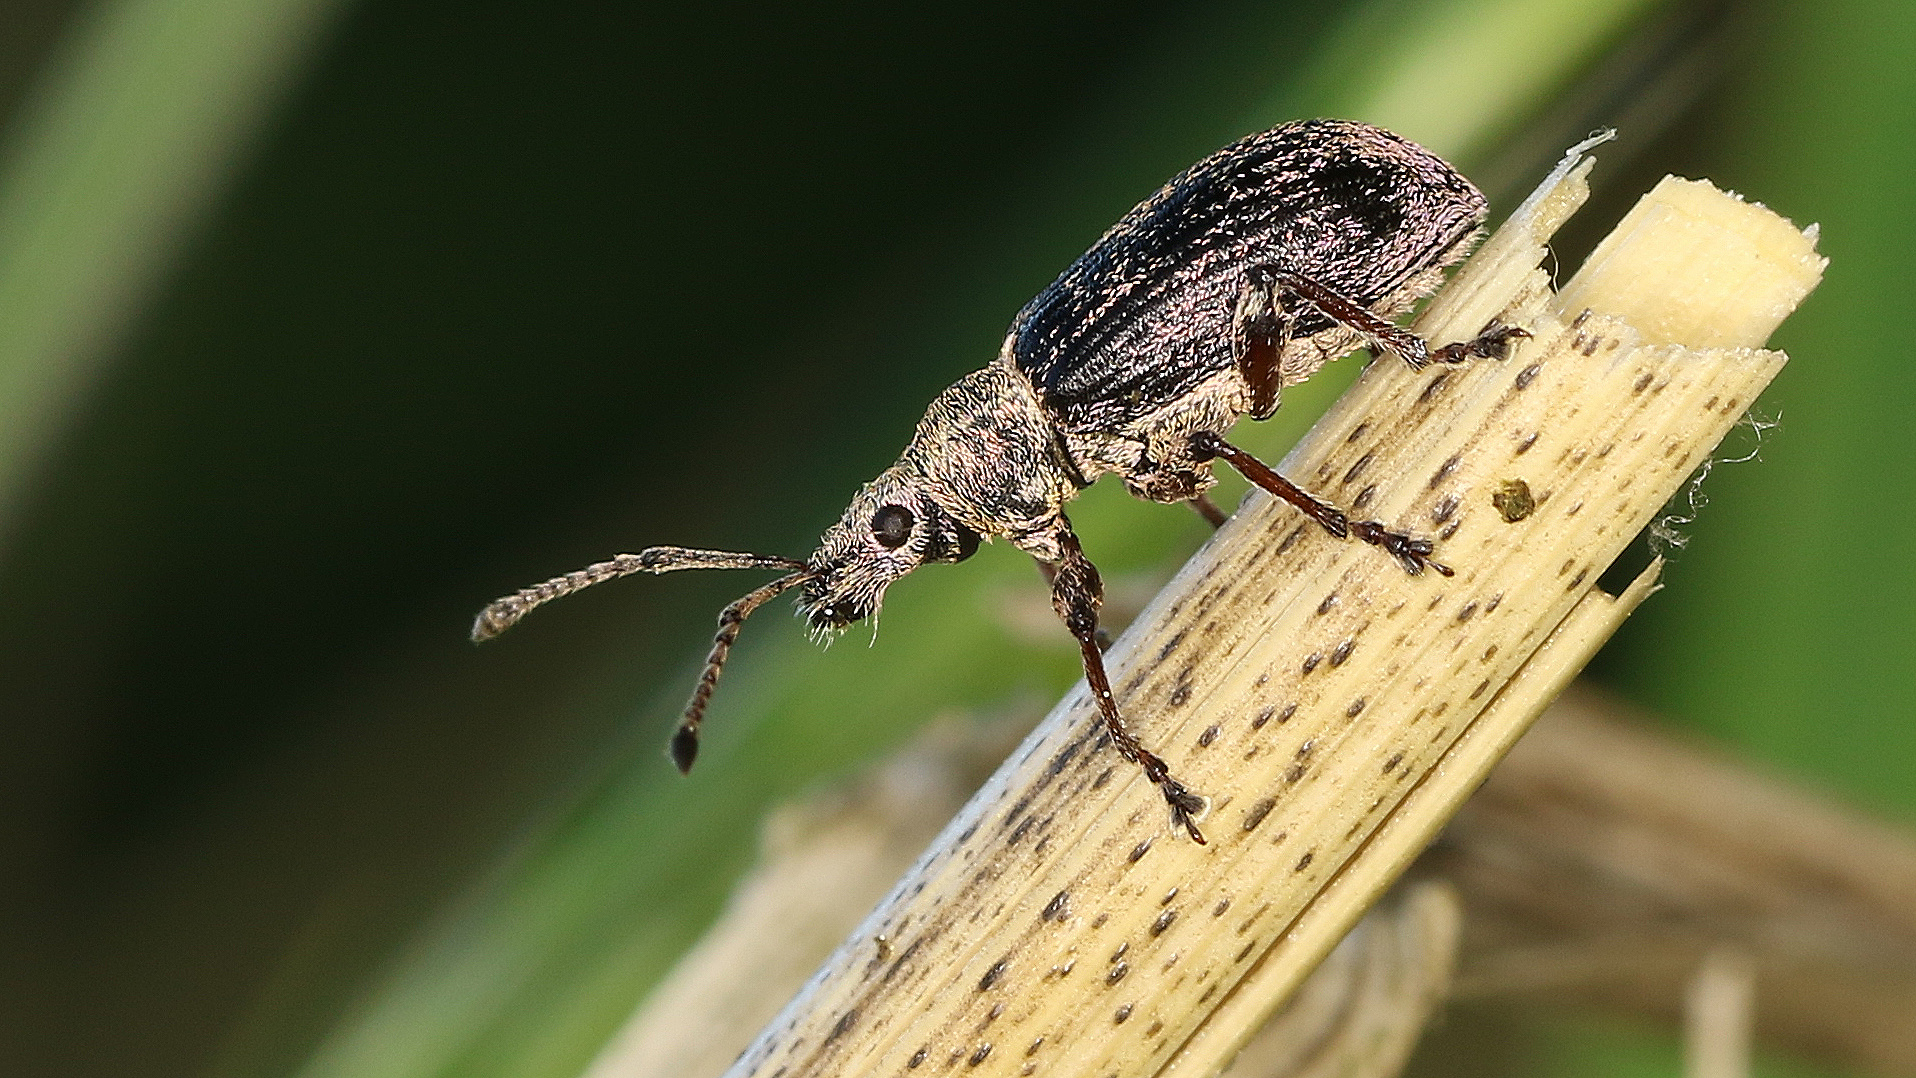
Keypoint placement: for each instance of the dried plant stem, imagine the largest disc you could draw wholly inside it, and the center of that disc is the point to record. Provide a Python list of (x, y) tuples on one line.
[(1718, 1009), (1605, 863), (1360, 1013), (1336, 710)]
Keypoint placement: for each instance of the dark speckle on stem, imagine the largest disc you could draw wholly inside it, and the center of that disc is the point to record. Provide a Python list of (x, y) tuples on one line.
[(993, 975), (1057, 908), (1257, 813)]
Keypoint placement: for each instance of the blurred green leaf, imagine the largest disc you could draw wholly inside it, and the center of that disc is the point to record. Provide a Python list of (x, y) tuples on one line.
[(1793, 635), (131, 135)]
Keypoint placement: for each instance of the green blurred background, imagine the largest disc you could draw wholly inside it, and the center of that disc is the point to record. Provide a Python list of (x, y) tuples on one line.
[(322, 323)]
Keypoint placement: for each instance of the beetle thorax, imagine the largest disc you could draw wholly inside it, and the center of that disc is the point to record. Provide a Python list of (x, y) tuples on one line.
[(990, 455), (984, 461)]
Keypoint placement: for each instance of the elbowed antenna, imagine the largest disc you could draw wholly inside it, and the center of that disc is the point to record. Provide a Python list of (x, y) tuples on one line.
[(503, 613)]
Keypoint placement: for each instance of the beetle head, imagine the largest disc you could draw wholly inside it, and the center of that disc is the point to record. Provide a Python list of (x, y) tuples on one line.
[(890, 528)]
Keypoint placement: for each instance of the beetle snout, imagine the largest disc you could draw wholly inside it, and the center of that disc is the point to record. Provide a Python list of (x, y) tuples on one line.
[(831, 617), (829, 607)]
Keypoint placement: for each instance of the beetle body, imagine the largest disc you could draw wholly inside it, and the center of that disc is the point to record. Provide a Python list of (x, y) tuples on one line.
[(1246, 273), (1135, 348)]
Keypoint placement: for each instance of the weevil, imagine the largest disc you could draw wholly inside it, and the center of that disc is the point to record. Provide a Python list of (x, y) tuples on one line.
[(1244, 274)]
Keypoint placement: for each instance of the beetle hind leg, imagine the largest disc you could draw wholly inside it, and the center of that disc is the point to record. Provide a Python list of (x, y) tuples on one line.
[(1259, 329), (1492, 343), (1281, 286)]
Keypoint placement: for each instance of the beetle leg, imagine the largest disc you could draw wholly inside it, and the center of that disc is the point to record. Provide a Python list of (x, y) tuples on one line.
[(1050, 573), (1076, 594), (1258, 332), (1493, 342), (1412, 554), (1203, 506)]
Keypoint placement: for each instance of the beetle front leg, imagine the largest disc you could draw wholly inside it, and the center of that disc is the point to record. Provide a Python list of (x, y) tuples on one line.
[(1076, 593), (1050, 573), (1412, 554)]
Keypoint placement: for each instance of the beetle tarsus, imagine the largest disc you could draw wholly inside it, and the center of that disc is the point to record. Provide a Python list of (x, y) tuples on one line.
[(1412, 554), (1492, 343), (1186, 807)]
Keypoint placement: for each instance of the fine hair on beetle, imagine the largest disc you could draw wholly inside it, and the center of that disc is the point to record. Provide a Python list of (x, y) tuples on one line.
[(1242, 275)]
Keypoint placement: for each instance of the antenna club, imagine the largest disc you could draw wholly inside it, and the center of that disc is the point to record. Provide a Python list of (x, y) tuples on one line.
[(685, 748), (495, 619)]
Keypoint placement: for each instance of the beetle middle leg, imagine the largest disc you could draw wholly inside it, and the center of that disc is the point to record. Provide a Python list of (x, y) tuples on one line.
[(1076, 593), (1412, 554), (1492, 343)]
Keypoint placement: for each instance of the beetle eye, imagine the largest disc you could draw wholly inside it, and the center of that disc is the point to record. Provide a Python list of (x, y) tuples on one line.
[(891, 526)]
